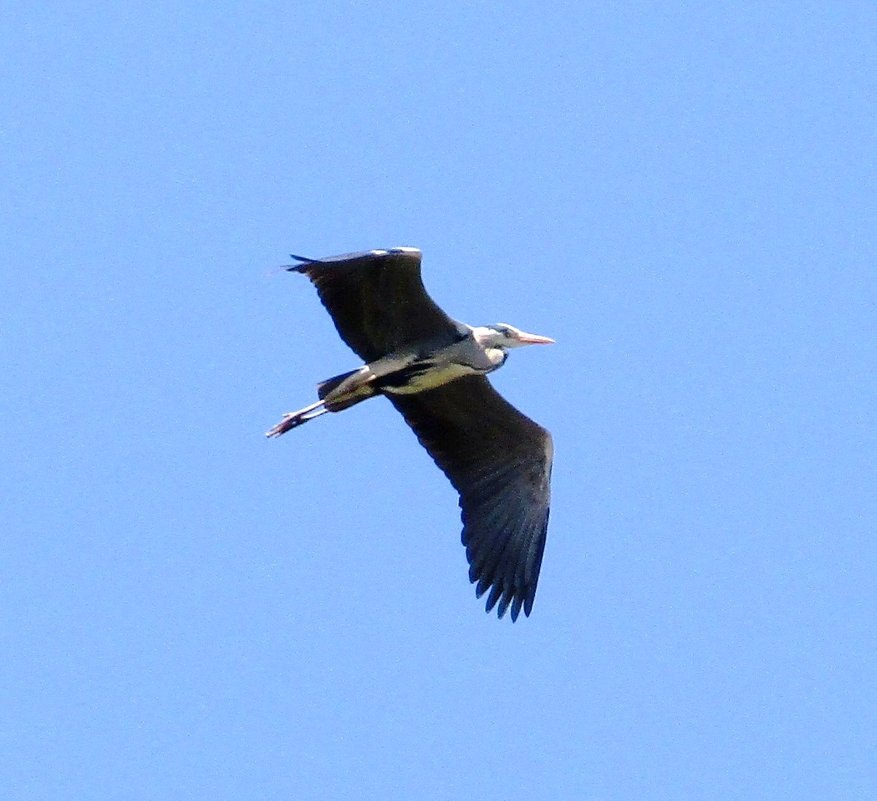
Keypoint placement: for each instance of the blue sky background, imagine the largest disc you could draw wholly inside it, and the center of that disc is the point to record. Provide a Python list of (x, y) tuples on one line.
[(684, 197)]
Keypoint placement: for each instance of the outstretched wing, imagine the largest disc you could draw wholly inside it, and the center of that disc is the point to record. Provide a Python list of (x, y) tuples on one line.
[(500, 462), (377, 300)]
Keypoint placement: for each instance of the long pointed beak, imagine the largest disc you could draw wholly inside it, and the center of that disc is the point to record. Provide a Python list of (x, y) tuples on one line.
[(534, 339)]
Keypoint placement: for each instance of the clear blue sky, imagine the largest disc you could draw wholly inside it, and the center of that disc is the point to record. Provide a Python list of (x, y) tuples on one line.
[(684, 197)]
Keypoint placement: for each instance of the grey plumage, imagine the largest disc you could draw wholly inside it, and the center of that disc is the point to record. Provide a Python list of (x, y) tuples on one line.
[(433, 369)]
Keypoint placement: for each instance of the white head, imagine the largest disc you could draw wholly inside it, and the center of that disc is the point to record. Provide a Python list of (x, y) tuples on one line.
[(503, 335)]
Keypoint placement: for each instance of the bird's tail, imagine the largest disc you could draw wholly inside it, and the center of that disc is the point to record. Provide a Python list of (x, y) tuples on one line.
[(346, 390), (325, 387)]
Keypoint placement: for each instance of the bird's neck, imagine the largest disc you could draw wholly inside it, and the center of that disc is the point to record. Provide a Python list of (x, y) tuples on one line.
[(497, 356)]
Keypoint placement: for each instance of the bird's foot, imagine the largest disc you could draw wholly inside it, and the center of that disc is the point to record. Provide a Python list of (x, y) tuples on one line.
[(293, 419), (289, 420)]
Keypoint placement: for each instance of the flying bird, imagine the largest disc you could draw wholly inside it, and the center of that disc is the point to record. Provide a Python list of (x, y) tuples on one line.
[(433, 370)]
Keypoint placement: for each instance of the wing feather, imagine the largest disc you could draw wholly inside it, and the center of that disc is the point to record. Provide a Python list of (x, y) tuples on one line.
[(377, 300), (500, 462)]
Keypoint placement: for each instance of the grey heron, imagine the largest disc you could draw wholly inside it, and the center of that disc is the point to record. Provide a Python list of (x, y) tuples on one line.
[(433, 370)]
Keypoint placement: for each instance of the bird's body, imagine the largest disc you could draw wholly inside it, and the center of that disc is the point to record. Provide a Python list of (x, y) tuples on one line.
[(432, 368)]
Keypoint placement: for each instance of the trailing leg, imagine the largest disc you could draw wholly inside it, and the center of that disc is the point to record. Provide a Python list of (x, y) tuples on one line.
[(336, 394)]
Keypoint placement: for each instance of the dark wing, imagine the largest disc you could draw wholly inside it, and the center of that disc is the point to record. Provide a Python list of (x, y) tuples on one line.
[(500, 462), (377, 300)]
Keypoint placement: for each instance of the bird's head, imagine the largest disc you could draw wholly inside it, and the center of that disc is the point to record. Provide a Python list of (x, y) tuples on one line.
[(503, 335)]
